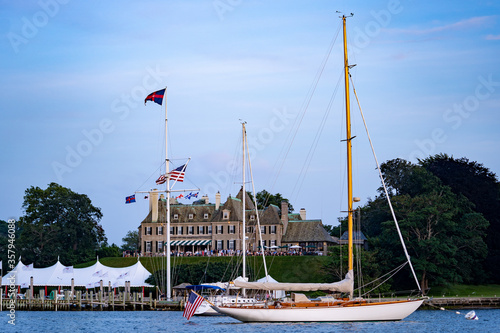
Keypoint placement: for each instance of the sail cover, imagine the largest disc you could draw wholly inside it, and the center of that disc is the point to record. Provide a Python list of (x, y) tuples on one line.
[(343, 286)]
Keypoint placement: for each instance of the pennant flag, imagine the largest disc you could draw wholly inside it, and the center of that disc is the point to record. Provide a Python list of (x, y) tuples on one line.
[(161, 180), (178, 174), (194, 301), (68, 269), (180, 196), (146, 196), (156, 97), (130, 199), (188, 196)]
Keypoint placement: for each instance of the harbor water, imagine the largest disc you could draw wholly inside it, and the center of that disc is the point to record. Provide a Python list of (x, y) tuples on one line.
[(172, 321)]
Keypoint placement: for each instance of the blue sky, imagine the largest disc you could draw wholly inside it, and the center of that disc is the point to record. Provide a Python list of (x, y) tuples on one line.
[(74, 75)]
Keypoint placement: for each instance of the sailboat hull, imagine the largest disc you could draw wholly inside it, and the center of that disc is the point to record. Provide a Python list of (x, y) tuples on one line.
[(384, 311)]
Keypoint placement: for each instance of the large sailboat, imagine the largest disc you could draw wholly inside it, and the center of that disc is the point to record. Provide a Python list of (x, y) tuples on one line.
[(328, 309)]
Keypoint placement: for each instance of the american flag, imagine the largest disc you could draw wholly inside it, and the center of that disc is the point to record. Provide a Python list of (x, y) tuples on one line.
[(161, 180), (194, 301), (178, 174)]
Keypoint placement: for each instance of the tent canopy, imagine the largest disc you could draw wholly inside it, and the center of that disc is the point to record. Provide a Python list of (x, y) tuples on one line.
[(89, 277)]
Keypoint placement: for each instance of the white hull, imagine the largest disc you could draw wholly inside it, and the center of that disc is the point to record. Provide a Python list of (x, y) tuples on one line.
[(368, 312), (206, 310)]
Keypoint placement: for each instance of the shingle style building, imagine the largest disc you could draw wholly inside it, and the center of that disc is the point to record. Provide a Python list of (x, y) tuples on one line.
[(204, 226)]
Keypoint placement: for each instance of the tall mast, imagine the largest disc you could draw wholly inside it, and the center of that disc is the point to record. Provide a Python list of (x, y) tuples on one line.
[(167, 169), (349, 151), (243, 241)]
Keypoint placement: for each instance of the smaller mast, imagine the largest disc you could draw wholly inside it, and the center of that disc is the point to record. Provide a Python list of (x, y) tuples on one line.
[(243, 241)]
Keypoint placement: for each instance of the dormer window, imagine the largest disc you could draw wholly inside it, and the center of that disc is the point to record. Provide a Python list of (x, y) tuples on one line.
[(176, 216), (190, 216), (252, 217), (225, 215), (205, 216)]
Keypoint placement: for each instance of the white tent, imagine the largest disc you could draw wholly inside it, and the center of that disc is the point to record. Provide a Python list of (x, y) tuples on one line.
[(89, 277)]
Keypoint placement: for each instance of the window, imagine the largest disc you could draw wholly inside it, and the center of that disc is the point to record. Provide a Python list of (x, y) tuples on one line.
[(190, 230), (219, 245), (148, 246), (273, 242), (252, 217), (190, 216), (249, 230), (230, 244), (263, 229), (180, 230), (176, 216), (219, 229), (272, 229), (201, 230), (159, 246), (171, 230), (159, 230), (209, 230), (225, 215), (148, 231), (231, 229), (205, 216)]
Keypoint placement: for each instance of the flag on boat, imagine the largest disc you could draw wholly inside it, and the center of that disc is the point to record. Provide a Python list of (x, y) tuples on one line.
[(130, 199), (178, 174), (156, 97), (193, 302), (161, 180)]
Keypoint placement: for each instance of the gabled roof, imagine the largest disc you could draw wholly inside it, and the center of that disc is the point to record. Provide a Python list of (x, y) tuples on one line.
[(355, 235), (307, 231)]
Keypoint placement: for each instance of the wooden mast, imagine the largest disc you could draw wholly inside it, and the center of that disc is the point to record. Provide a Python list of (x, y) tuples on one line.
[(349, 152)]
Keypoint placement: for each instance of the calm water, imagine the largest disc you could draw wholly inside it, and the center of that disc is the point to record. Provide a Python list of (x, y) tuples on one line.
[(163, 321)]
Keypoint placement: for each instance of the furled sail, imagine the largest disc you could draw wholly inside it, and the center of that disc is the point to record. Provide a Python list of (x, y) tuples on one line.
[(344, 286)]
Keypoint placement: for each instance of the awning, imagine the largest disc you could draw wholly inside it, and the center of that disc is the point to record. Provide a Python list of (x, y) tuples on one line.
[(191, 242)]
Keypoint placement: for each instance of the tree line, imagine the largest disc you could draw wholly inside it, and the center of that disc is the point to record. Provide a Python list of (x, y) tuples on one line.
[(447, 209)]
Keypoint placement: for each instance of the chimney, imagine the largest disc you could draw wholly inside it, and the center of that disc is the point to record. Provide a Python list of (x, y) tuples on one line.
[(153, 205), (284, 215), (217, 201), (303, 214), (205, 197)]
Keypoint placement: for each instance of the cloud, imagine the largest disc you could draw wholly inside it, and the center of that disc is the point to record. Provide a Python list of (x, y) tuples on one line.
[(492, 37), (472, 22)]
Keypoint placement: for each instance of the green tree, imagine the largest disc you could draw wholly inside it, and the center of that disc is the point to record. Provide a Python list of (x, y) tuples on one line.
[(481, 187), (131, 241), (109, 251), (437, 226), (265, 199), (58, 222)]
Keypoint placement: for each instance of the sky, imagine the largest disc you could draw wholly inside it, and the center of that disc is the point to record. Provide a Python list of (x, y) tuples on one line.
[(74, 75)]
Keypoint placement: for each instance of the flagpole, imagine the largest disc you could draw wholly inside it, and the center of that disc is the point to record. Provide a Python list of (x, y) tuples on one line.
[(167, 167)]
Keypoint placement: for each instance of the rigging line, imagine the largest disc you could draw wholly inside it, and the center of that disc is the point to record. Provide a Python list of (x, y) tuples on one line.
[(255, 203), (314, 145), (150, 176), (386, 193), (305, 105), (401, 267)]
